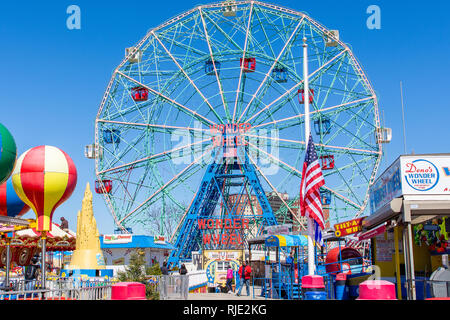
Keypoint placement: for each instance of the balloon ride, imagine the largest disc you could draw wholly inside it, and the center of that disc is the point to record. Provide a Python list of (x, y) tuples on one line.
[(8, 152), (44, 178)]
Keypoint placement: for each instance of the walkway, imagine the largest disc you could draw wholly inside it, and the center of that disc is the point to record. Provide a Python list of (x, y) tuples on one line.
[(221, 296)]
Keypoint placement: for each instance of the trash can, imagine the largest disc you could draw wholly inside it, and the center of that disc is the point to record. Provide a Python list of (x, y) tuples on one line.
[(313, 288), (128, 291), (340, 287), (315, 295), (377, 290)]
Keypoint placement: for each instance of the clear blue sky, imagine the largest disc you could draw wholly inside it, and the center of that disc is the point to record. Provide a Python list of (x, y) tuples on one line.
[(52, 79)]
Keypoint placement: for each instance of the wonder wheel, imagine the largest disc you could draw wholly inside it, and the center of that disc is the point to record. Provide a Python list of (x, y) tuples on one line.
[(233, 66)]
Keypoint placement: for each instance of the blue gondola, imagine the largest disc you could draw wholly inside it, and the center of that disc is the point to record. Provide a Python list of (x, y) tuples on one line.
[(322, 126), (111, 136), (325, 196), (209, 67), (279, 75)]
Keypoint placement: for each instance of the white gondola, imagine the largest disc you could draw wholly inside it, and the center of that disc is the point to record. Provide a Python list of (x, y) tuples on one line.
[(135, 57), (229, 10), (332, 38), (385, 134), (92, 150)]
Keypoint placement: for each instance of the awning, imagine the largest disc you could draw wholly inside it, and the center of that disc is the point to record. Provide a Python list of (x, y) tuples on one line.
[(411, 209), (286, 241), (373, 232)]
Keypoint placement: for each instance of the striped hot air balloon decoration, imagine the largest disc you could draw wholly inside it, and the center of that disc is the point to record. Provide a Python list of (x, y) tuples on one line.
[(10, 203), (8, 152), (44, 177)]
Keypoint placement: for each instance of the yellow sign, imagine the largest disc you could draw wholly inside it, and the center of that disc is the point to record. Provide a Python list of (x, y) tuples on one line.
[(216, 262), (348, 227)]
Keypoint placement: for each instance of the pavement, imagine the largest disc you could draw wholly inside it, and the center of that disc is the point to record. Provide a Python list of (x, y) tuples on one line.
[(228, 296), (222, 296)]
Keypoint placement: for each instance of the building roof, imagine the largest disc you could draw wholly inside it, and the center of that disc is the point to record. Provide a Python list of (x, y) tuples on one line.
[(138, 241)]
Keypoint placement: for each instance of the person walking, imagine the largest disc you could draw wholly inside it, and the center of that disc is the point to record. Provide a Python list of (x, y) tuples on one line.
[(245, 272), (164, 280), (31, 273), (183, 269), (164, 269), (184, 281), (229, 279)]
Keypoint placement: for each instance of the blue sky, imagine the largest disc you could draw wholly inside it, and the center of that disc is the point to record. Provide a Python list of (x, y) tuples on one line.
[(52, 79)]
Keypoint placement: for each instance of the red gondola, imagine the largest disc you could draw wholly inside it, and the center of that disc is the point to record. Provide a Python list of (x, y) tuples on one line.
[(249, 64), (139, 94), (107, 186), (302, 91), (327, 162)]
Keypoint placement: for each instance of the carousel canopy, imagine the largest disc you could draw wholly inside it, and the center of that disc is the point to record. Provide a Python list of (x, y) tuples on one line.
[(286, 241)]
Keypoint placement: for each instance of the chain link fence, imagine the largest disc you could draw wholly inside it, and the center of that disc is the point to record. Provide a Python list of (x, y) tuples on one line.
[(173, 287), (57, 289)]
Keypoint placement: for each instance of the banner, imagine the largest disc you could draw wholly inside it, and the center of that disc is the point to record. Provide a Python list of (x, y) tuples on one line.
[(372, 233), (348, 227), (117, 238)]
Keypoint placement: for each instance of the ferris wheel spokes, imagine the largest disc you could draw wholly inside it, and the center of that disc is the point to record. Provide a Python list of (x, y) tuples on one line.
[(225, 104), (239, 88), (177, 176), (176, 104), (189, 79), (274, 64), (297, 85)]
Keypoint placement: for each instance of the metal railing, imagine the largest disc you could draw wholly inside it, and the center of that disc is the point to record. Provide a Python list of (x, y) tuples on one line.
[(57, 289), (173, 287), (426, 288)]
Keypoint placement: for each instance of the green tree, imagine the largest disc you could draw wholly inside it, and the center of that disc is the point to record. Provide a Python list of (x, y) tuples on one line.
[(137, 272)]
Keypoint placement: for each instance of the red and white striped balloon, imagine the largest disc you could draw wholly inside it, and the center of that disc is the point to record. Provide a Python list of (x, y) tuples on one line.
[(44, 177)]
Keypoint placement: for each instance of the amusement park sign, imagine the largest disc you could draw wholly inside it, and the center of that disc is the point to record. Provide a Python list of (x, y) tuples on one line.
[(348, 227), (226, 231), (412, 175)]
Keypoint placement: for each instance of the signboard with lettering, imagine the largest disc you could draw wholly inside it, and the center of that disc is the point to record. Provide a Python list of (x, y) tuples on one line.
[(278, 229), (425, 175), (387, 187), (117, 238), (384, 248), (216, 263), (159, 239), (222, 232), (348, 227), (412, 175)]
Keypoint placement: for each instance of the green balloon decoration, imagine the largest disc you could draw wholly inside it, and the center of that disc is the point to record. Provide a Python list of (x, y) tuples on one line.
[(8, 153)]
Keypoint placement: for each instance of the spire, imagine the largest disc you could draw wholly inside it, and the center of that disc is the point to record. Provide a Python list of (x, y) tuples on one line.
[(87, 254)]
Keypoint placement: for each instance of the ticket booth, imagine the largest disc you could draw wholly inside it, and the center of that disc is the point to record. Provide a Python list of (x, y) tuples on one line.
[(411, 197)]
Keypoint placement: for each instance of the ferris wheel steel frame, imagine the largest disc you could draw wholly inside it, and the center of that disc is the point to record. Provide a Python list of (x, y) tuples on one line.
[(255, 111)]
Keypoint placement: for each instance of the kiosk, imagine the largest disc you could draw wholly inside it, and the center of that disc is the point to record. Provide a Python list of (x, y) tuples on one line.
[(413, 191)]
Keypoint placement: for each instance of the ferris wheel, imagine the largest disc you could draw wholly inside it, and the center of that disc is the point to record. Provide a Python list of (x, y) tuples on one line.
[(233, 67)]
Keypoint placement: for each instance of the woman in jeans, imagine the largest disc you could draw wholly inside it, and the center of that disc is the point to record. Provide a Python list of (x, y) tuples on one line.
[(229, 279)]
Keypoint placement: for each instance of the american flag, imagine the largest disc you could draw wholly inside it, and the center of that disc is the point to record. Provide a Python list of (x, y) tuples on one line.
[(312, 180)]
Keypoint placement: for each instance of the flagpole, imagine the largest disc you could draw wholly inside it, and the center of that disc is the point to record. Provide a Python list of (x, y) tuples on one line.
[(311, 262)]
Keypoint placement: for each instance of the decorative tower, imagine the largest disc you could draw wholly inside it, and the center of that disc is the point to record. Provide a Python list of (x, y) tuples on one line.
[(87, 254)]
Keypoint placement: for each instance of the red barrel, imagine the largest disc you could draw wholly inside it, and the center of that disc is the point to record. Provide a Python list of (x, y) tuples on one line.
[(377, 290), (128, 291), (313, 282), (332, 262)]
